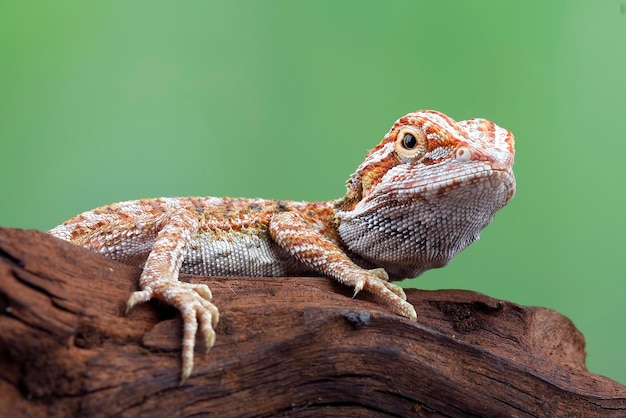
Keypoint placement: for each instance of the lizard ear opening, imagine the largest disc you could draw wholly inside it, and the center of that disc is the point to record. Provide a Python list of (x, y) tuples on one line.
[(410, 143)]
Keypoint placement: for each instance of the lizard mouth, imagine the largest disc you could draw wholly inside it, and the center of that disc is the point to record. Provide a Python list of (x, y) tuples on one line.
[(426, 183), (506, 166), (491, 184)]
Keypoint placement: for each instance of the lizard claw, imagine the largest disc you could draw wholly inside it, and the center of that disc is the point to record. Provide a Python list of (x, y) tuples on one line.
[(378, 274), (358, 287), (138, 297)]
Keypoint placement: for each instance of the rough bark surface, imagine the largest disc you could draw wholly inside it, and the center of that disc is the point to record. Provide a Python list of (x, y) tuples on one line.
[(285, 347)]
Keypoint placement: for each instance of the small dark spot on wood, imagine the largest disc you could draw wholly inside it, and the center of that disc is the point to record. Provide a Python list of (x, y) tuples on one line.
[(463, 316), (358, 319)]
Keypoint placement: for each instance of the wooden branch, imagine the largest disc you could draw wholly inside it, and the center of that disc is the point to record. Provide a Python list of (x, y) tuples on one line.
[(286, 347)]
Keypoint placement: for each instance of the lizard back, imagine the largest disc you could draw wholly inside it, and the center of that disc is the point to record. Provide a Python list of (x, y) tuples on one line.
[(231, 240)]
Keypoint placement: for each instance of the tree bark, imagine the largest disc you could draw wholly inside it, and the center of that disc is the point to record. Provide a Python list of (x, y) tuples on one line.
[(299, 347)]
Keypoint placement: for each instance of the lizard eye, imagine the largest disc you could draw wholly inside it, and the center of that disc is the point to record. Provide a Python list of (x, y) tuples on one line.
[(410, 143)]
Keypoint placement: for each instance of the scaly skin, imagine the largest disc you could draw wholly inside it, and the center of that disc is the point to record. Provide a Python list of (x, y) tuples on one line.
[(421, 195)]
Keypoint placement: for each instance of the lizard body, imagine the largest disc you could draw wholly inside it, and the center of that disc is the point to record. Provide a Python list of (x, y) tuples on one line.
[(420, 196)]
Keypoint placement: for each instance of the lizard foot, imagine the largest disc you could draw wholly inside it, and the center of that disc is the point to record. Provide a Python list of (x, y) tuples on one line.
[(193, 302), (377, 282)]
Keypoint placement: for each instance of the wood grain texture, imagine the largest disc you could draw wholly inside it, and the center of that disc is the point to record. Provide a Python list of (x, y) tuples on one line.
[(286, 347)]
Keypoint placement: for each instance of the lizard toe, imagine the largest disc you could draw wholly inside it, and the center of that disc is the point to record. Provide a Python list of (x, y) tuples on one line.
[(201, 289), (393, 295), (190, 327), (196, 312), (396, 289), (407, 310), (208, 321), (138, 297)]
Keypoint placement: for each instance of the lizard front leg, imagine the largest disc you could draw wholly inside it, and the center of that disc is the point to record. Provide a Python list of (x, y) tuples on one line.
[(296, 236), (159, 280)]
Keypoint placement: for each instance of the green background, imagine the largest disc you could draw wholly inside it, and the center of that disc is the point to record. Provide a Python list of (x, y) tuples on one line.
[(116, 100)]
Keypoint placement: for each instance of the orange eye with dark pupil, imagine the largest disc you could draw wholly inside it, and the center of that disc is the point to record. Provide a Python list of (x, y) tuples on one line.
[(409, 141)]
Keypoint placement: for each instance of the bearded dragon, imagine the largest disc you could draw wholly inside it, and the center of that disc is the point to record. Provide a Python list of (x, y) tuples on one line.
[(423, 194)]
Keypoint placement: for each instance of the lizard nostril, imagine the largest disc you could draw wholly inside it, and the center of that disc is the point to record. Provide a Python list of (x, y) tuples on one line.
[(463, 154)]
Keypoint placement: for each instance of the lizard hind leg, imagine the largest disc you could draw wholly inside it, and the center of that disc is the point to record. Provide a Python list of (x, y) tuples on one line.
[(159, 280)]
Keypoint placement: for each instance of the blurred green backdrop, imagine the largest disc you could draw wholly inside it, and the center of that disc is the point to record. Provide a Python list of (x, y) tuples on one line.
[(115, 100)]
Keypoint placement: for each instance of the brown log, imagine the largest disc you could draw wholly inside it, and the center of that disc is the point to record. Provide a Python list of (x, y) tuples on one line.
[(297, 347)]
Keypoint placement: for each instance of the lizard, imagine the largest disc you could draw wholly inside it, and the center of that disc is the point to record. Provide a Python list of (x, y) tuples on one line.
[(420, 196)]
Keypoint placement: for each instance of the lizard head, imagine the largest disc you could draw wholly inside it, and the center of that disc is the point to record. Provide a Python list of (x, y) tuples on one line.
[(426, 191)]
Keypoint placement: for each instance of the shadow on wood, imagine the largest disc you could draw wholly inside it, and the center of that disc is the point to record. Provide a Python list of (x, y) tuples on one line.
[(285, 347)]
